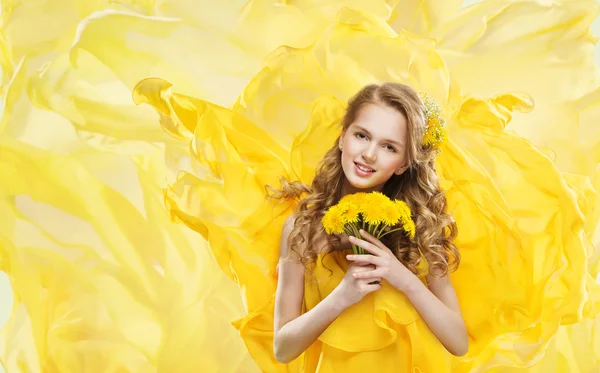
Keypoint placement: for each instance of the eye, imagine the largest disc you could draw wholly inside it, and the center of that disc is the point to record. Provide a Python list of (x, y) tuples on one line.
[(390, 148), (360, 135)]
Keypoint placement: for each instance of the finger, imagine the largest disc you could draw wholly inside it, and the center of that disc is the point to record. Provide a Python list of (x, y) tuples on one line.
[(368, 274), (361, 267), (371, 239), (371, 281), (369, 288), (364, 259), (366, 245)]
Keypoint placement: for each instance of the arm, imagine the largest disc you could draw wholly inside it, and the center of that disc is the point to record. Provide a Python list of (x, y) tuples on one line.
[(438, 306), (294, 331)]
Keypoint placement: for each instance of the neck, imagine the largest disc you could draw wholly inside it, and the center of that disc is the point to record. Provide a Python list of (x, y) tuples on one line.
[(348, 188)]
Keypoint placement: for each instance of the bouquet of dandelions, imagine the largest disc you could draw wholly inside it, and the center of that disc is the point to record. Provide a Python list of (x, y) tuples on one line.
[(373, 212)]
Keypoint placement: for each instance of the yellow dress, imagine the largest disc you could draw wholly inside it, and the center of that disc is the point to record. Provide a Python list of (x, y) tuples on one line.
[(382, 331), (103, 282)]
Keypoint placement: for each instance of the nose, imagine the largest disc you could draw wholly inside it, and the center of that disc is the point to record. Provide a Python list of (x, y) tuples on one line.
[(370, 153)]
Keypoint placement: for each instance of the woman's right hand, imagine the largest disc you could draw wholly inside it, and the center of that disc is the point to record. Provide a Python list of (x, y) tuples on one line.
[(351, 290)]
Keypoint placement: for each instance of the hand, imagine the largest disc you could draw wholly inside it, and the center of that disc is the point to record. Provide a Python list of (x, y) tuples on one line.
[(387, 266), (352, 289)]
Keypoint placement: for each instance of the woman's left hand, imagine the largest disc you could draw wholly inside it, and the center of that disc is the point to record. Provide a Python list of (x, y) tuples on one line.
[(387, 266)]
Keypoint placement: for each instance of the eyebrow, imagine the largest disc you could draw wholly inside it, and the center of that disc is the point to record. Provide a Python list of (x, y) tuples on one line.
[(369, 133)]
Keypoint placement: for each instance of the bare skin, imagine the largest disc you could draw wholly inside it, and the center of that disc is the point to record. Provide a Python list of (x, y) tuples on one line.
[(294, 331)]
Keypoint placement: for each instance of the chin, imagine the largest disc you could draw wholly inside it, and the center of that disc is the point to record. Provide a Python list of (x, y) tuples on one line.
[(361, 185)]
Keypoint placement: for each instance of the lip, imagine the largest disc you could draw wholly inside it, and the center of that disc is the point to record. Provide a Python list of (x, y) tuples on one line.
[(361, 172)]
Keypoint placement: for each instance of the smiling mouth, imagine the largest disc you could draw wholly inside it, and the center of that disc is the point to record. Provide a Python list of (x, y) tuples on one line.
[(364, 168)]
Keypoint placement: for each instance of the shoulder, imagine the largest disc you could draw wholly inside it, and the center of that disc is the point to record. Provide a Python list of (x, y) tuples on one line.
[(288, 224), (288, 227), (286, 231)]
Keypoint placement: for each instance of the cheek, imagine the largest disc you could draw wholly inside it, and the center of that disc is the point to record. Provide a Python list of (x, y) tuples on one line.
[(393, 162), (346, 149), (347, 157), (349, 147)]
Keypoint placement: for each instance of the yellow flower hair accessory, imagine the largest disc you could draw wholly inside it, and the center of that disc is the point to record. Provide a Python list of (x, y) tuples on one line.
[(435, 134)]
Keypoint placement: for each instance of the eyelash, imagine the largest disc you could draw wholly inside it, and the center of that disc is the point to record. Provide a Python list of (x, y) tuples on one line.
[(362, 136)]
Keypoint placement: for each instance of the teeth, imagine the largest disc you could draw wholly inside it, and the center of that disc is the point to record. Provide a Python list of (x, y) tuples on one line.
[(363, 168)]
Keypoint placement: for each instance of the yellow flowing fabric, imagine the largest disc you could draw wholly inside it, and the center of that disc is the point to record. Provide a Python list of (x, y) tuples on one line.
[(253, 91)]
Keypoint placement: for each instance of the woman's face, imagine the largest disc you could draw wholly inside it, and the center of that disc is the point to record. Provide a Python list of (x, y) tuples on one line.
[(374, 148)]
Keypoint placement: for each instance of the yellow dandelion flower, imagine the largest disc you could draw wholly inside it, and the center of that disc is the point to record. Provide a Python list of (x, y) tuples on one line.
[(373, 207), (403, 209), (333, 220), (405, 218), (390, 213), (376, 198), (409, 228), (434, 136), (348, 198), (351, 211), (356, 198), (371, 213)]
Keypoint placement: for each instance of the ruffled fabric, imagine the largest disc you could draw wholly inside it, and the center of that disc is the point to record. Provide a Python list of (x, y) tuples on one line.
[(521, 221), (382, 327), (102, 282), (521, 239)]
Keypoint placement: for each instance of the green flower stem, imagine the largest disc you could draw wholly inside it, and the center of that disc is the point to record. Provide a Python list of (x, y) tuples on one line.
[(360, 250), (352, 230), (390, 231), (355, 231), (377, 234), (371, 229)]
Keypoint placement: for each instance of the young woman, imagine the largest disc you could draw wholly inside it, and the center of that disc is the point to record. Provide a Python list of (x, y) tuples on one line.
[(381, 148)]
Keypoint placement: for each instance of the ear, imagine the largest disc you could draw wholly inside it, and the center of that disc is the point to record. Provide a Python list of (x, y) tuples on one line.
[(401, 170), (341, 140)]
